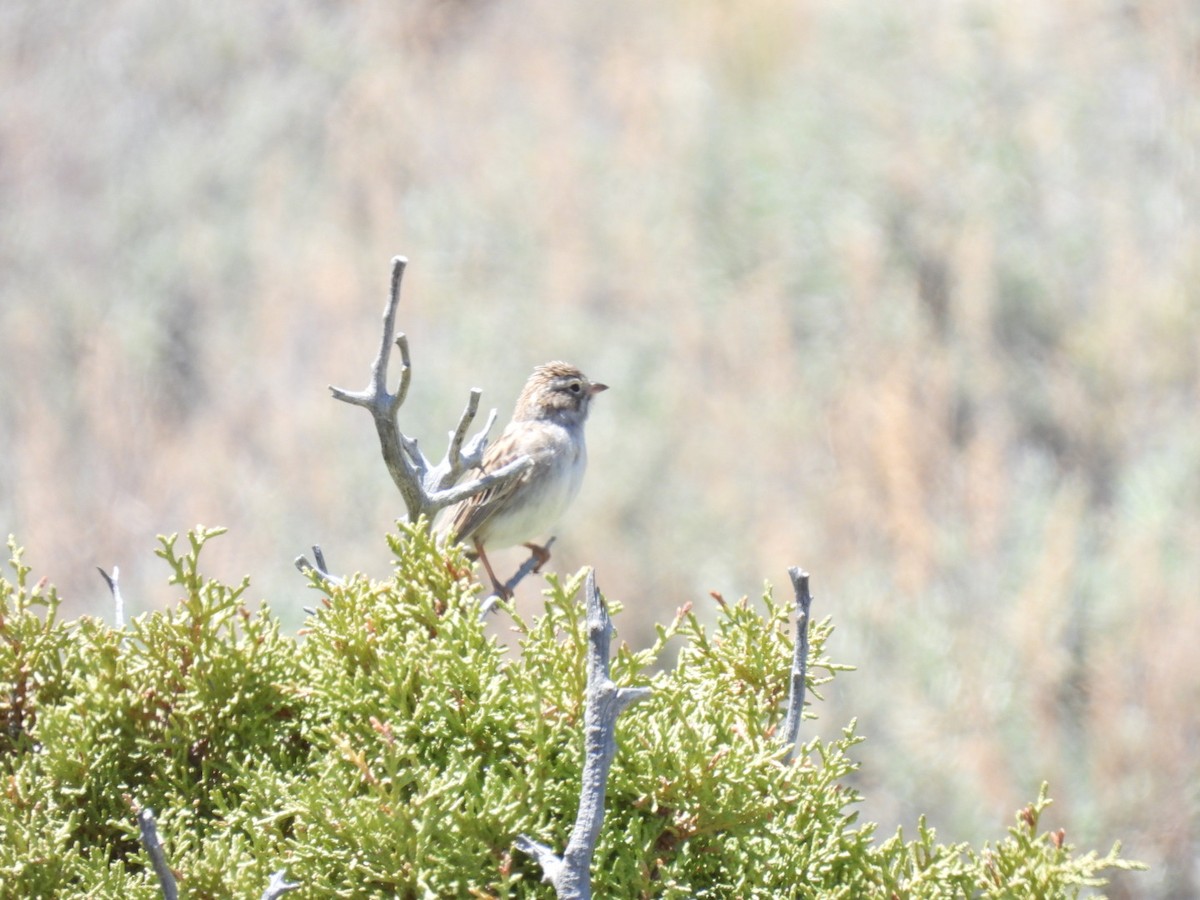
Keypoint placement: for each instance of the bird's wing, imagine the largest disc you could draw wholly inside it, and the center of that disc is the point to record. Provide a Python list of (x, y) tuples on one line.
[(469, 515)]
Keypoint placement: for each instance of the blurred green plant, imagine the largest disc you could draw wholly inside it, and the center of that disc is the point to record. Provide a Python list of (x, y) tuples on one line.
[(397, 748)]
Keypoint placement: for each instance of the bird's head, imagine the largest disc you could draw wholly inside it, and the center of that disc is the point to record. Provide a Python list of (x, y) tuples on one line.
[(557, 390)]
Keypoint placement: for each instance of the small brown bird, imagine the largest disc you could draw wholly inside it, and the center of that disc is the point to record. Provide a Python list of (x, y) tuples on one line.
[(547, 426)]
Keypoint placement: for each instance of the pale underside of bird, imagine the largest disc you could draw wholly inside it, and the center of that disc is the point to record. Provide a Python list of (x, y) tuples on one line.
[(547, 427)]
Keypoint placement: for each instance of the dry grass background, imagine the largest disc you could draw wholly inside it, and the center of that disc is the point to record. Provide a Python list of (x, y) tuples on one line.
[(907, 294)]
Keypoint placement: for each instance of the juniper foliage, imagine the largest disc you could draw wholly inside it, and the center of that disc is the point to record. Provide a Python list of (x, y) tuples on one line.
[(396, 748)]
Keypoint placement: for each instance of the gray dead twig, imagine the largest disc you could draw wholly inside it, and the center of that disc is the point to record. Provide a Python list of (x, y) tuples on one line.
[(279, 886), (791, 723), (319, 569), (166, 878), (571, 873), (114, 588), (426, 488)]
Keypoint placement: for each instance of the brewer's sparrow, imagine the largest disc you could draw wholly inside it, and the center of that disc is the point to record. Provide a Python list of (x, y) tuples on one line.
[(547, 426)]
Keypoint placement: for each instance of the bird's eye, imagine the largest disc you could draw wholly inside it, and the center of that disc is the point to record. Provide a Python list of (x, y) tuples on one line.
[(575, 387)]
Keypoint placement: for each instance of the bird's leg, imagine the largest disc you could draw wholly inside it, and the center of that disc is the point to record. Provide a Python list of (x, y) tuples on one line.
[(501, 591), (540, 553)]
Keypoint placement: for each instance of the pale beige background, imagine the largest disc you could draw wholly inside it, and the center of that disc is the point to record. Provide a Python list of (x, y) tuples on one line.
[(906, 294)]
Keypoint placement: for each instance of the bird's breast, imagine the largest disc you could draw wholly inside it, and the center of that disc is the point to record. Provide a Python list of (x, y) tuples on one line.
[(553, 483)]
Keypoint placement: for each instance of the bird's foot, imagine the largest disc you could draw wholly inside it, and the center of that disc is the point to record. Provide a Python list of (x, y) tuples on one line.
[(540, 553), (501, 591)]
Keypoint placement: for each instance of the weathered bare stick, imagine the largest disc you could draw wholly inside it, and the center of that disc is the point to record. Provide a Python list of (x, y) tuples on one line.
[(319, 569), (791, 724), (279, 886), (114, 588), (571, 873), (457, 460), (450, 496), (426, 488), (166, 878)]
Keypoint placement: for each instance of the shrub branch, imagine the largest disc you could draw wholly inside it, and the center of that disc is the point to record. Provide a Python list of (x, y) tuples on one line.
[(791, 724), (158, 858), (318, 570), (114, 588), (425, 487), (571, 873), (279, 886)]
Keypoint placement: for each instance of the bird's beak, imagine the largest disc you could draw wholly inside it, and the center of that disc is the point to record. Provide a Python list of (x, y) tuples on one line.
[(595, 388)]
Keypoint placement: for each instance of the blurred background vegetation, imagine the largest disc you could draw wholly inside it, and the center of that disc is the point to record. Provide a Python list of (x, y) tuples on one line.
[(906, 294)]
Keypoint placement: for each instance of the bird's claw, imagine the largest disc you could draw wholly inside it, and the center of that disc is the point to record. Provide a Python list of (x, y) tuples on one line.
[(501, 591), (540, 553)]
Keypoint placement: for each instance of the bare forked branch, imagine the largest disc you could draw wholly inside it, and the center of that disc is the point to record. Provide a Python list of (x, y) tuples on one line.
[(319, 569), (571, 873), (791, 724), (166, 878), (457, 460), (279, 886), (426, 488), (114, 588)]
